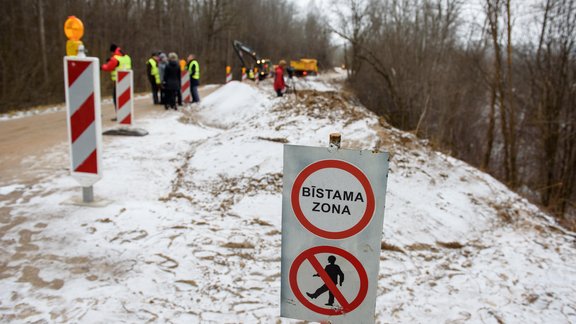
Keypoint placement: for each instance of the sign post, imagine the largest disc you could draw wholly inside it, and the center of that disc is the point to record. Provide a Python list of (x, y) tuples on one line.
[(332, 218)]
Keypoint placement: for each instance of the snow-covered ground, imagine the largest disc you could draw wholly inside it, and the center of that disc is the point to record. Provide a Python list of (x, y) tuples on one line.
[(53, 109), (193, 232)]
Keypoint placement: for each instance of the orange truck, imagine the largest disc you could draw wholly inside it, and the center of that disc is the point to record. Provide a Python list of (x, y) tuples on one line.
[(305, 67)]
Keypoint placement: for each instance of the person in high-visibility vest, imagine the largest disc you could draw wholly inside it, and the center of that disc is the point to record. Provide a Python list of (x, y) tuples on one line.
[(118, 61), (153, 76), (194, 70), (162, 62)]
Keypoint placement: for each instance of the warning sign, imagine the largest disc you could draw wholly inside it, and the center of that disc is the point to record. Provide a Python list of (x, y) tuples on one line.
[(341, 293), (332, 219), (333, 199)]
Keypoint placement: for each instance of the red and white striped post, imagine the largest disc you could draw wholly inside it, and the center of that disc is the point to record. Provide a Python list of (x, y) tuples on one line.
[(228, 73), (185, 86), (82, 83), (244, 76), (125, 97)]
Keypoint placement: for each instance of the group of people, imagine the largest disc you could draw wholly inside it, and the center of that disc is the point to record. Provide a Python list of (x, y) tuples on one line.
[(164, 73)]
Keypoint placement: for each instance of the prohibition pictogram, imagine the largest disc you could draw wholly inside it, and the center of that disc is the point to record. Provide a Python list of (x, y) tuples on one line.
[(310, 256), (304, 218)]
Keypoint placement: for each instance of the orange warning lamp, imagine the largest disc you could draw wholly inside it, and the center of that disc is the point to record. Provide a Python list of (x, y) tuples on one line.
[(74, 30), (228, 69)]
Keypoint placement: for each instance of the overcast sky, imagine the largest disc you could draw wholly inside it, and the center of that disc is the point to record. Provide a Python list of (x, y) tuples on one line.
[(523, 12)]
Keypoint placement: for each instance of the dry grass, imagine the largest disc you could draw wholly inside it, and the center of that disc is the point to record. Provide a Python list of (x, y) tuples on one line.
[(390, 247), (421, 247), (241, 245), (450, 245)]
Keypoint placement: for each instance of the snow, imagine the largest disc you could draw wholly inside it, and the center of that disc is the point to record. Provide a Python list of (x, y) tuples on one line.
[(49, 110), (192, 234), (6, 190)]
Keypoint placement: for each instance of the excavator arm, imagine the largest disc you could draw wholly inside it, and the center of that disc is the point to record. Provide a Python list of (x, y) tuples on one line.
[(241, 49), (262, 65)]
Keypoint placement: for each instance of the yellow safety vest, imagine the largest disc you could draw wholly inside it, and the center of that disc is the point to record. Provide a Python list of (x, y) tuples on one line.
[(154, 69), (196, 74), (124, 63)]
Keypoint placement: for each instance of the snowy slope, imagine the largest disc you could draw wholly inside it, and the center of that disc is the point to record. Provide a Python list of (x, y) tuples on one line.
[(193, 231)]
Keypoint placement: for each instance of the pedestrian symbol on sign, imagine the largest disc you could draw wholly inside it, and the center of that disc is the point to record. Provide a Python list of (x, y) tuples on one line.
[(334, 272), (348, 297)]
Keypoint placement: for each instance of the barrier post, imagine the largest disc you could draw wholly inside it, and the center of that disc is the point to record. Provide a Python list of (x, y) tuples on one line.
[(244, 77), (125, 102), (228, 73), (82, 90), (185, 88), (125, 97)]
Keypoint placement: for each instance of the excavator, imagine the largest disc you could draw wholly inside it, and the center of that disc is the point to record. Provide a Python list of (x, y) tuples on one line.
[(261, 66)]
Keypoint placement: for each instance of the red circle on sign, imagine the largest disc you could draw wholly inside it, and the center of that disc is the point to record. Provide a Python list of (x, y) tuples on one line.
[(346, 307), (336, 164)]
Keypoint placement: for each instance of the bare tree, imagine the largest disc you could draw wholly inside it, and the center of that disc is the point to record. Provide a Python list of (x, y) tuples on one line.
[(553, 95), (140, 27)]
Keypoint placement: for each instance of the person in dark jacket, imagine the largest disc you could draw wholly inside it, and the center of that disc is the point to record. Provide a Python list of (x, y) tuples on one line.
[(279, 84), (171, 81)]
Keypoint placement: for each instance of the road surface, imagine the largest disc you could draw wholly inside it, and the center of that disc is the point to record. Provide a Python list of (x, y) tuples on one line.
[(24, 138)]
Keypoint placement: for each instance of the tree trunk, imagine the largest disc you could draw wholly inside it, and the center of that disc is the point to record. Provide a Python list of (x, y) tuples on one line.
[(42, 33)]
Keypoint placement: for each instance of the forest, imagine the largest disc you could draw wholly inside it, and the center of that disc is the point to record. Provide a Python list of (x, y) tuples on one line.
[(33, 42), (476, 91)]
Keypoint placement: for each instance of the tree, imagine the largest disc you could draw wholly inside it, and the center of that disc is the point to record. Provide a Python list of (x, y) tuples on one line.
[(553, 95)]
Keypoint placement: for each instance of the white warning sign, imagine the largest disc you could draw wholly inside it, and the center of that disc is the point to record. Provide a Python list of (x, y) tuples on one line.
[(332, 218)]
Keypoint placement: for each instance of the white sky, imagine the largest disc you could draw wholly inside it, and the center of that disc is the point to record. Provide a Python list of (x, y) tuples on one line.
[(524, 16)]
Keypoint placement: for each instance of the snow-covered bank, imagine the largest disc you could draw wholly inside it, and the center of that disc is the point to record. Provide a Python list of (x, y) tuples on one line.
[(53, 109), (193, 232)]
